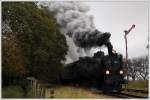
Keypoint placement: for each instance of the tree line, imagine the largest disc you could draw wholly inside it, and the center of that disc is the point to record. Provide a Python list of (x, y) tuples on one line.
[(138, 68), (32, 43)]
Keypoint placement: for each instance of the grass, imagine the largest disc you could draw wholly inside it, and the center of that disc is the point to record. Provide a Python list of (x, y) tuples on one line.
[(138, 84), (69, 91), (60, 92), (136, 93), (15, 91), (12, 92), (30, 94), (75, 92)]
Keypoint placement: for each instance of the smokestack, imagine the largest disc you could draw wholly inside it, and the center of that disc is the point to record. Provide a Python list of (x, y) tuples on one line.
[(110, 48)]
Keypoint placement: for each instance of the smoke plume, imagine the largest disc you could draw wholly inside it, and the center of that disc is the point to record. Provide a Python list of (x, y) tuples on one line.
[(78, 26)]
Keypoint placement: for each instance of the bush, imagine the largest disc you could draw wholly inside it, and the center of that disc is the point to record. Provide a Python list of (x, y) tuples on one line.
[(12, 92)]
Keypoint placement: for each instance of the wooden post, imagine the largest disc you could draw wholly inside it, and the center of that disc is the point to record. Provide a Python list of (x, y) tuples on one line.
[(41, 92), (38, 90), (52, 93), (34, 88)]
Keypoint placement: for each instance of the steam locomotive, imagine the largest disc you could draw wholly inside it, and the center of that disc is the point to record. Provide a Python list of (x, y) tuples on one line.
[(103, 71)]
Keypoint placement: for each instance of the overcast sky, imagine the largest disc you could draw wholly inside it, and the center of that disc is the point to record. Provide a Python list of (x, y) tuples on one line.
[(115, 17)]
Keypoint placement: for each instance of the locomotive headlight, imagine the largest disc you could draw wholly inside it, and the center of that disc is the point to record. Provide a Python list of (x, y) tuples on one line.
[(107, 72), (121, 71)]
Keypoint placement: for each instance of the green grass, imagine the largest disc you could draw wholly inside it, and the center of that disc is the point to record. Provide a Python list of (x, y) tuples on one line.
[(12, 92), (15, 92), (30, 94), (138, 84)]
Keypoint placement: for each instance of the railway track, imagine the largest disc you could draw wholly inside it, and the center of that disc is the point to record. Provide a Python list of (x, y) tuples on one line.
[(137, 90), (124, 95)]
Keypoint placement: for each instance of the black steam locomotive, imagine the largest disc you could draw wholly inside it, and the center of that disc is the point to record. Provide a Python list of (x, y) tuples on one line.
[(103, 71)]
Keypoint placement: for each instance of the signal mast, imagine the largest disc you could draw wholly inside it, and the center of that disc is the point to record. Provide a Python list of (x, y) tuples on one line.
[(125, 36)]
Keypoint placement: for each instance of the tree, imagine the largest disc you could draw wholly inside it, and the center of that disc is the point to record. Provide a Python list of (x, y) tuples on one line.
[(138, 68), (39, 36), (132, 68), (143, 69), (12, 59)]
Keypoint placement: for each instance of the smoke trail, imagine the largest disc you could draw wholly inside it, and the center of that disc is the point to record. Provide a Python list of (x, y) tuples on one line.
[(78, 26)]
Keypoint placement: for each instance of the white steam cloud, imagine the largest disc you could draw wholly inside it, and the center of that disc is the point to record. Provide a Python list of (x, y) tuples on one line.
[(78, 26)]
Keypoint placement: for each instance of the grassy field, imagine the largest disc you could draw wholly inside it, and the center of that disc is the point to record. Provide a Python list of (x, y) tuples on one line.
[(76, 92), (15, 92), (68, 91), (60, 92), (138, 84), (12, 92)]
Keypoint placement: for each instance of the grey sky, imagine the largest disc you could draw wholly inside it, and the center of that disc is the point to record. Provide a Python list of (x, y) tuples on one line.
[(115, 17)]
